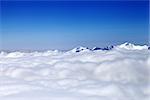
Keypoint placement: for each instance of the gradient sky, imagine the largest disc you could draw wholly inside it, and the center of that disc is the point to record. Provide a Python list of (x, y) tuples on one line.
[(40, 25)]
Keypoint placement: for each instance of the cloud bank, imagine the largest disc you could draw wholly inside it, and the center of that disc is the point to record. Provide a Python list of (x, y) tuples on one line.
[(121, 73)]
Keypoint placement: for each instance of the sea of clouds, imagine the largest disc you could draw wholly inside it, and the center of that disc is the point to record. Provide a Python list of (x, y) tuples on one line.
[(122, 73)]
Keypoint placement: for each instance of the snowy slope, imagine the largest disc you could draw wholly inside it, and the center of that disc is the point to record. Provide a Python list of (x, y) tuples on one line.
[(116, 73)]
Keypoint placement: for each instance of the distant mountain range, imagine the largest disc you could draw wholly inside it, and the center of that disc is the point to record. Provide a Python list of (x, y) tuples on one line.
[(128, 46)]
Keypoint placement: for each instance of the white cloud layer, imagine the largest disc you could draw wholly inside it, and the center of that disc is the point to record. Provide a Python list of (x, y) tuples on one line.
[(121, 73)]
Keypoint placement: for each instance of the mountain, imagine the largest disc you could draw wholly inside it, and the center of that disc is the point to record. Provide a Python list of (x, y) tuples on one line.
[(79, 49), (105, 48), (83, 49), (127, 46), (130, 46)]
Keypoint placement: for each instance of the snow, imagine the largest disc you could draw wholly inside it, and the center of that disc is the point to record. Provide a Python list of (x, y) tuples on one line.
[(121, 73), (130, 46), (79, 49)]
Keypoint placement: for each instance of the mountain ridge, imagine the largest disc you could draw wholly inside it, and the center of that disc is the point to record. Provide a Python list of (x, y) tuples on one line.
[(126, 45)]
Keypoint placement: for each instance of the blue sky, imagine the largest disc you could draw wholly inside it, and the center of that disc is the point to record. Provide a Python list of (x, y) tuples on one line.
[(40, 25)]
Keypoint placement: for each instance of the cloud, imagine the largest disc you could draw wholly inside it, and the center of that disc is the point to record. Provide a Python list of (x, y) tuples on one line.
[(121, 73)]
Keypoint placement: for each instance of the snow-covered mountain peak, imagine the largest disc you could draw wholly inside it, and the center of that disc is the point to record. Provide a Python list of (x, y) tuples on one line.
[(105, 48), (79, 49), (130, 46)]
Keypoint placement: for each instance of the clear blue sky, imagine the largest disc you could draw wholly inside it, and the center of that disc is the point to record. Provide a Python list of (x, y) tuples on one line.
[(64, 25)]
